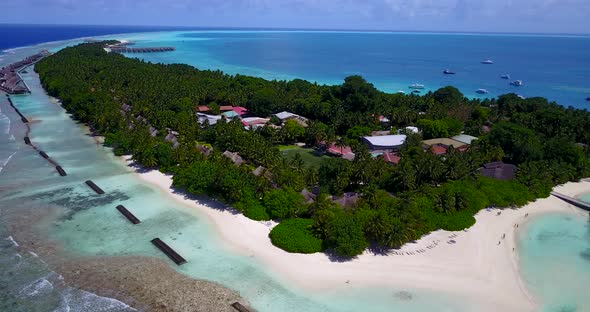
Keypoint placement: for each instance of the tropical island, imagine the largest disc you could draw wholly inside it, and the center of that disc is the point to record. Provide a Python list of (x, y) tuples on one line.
[(401, 166)]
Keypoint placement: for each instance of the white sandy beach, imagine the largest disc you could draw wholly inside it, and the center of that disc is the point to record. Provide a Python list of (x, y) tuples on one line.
[(481, 267)]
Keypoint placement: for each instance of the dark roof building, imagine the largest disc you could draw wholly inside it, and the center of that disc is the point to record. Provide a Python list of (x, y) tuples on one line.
[(498, 170)]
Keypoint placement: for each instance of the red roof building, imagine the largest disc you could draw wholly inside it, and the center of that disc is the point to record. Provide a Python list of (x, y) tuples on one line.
[(203, 108), (226, 108), (339, 150), (240, 110), (391, 158), (439, 149)]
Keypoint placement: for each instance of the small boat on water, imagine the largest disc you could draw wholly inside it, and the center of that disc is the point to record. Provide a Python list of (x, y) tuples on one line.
[(505, 76), (487, 61), (416, 91), (448, 72), (482, 91), (417, 86), (520, 97), (401, 92), (516, 83)]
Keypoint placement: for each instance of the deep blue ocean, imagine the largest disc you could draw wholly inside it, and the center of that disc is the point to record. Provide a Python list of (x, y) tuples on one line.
[(553, 66), (13, 36)]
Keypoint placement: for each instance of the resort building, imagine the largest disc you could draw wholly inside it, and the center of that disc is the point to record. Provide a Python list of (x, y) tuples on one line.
[(284, 116), (464, 138), (498, 170), (254, 122), (340, 151), (203, 108), (443, 141), (408, 130), (231, 114), (234, 157), (211, 119), (347, 200), (391, 158), (385, 143)]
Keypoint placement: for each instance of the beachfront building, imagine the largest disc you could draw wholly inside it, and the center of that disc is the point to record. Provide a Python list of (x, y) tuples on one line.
[(498, 170), (385, 143), (284, 116)]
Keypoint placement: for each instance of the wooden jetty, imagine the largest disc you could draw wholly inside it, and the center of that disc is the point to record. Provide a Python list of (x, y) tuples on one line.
[(573, 201), (61, 171), (240, 307), (125, 49), (173, 255), (94, 187), (128, 214)]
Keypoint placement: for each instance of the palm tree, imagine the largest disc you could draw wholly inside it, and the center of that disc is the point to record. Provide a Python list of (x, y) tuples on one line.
[(341, 142)]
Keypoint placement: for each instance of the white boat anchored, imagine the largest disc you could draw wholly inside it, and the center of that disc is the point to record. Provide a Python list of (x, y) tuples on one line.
[(516, 83), (487, 61), (417, 86), (505, 76), (482, 91)]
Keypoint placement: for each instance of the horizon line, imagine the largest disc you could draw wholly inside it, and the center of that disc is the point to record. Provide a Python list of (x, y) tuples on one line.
[(310, 29)]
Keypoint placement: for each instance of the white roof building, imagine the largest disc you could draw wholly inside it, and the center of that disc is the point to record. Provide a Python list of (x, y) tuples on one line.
[(286, 115), (283, 116), (212, 119), (385, 142), (409, 129), (464, 138)]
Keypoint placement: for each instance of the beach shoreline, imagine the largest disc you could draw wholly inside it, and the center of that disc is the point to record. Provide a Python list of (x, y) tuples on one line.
[(481, 266)]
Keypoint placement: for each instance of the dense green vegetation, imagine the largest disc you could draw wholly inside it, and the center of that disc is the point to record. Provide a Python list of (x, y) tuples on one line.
[(397, 204), (296, 235)]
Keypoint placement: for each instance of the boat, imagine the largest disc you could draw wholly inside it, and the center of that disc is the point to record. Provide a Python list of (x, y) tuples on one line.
[(401, 92), (417, 86), (505, 76), (482, 91), (516, 83), (520, 97), (448, 72), (487, 61), (416, 91)]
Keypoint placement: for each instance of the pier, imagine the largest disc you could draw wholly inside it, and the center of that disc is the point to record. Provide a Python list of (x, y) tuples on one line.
[(573, 201), (10, 80), (128, 214), (94, 187), (124, 49), (178, 259)]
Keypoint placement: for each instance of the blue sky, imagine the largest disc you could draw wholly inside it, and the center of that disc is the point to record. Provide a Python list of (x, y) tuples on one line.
[(546, 16)]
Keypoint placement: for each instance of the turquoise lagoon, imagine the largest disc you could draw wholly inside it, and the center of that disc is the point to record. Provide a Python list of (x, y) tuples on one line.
[(552, 248)]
